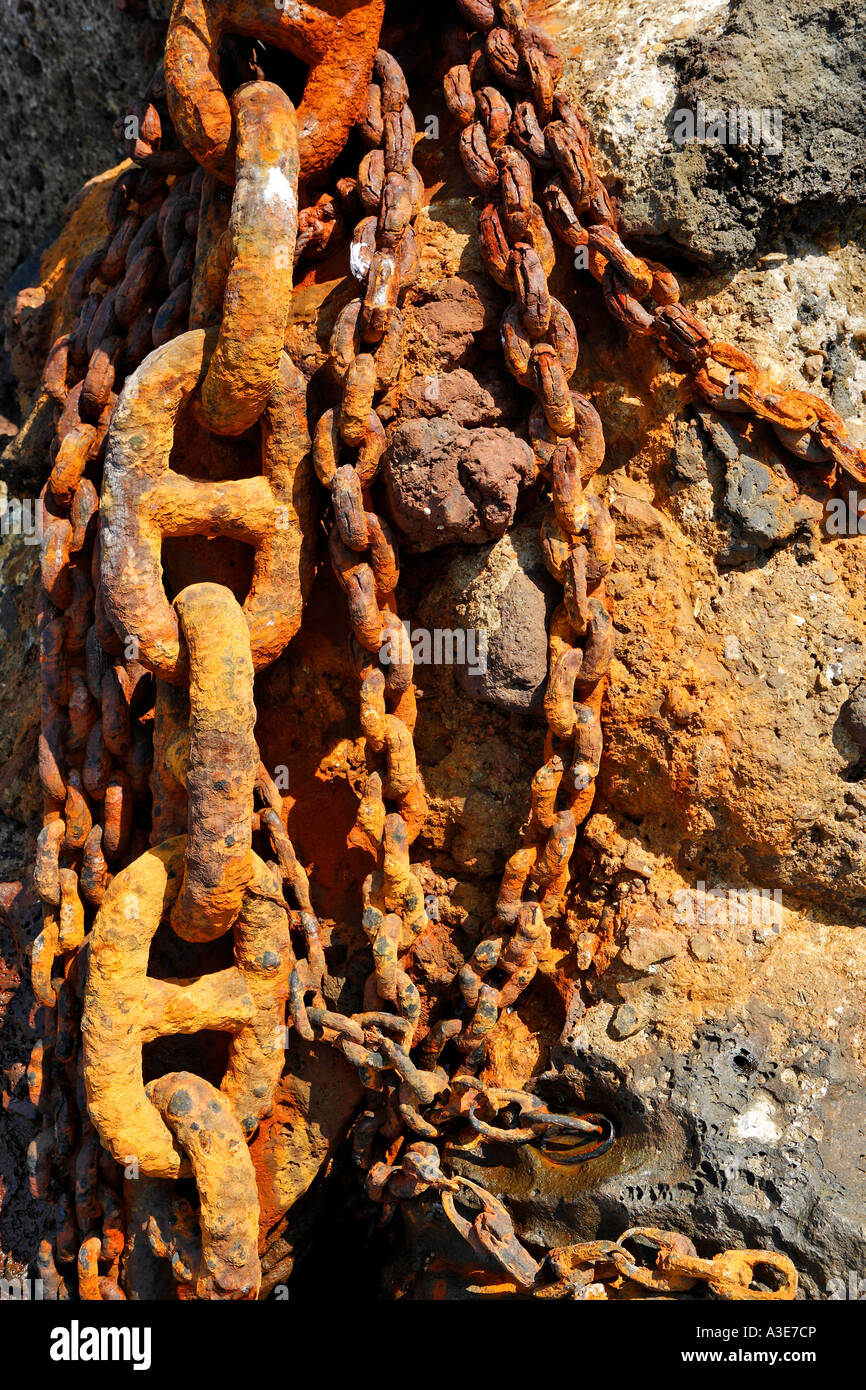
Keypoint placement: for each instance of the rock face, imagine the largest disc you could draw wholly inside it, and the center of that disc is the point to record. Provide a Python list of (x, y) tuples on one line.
[(705, 988), (503, 595), (65, 77), (796, 72)]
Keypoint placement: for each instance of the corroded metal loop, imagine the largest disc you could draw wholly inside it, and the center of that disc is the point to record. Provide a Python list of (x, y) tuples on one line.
[(205, 1128), (682, 336), (528, 136), (491, 1233), (459, 96), (587, 433), (535, 1114), (570, 152), (551, 383), (521, 349), (223, 760), (125, 1008), (632, 271), (143, 500), (570, 505), (731, 1273), (356, 406), (494, 113), (264, 223), (665, 1244), (623, 306), (477, 158), (533, 294), (391, 80), (328, 447), (564, 1151), (479, 14), (337, 39), (508, 59), (515, 192), (347, 342)]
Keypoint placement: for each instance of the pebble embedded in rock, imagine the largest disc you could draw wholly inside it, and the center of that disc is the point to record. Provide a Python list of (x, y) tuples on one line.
[(480, 397), (628, 1019), (461, 314), (854, 715), (505, 593), (646, 947)]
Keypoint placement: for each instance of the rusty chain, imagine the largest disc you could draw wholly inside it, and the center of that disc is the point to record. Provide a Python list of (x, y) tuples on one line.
[(551, 135), (128, 295), (139, 695)]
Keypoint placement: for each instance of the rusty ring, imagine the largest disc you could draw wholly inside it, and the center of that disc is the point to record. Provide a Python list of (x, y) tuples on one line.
[(336, 38)]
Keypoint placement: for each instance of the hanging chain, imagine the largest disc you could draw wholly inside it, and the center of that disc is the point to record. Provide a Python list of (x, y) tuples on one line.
[(120, 661), (551, 134)]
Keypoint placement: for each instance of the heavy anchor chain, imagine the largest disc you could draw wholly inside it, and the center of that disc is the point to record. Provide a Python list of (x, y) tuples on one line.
[(231, 276), (209, 881), (129, 294)]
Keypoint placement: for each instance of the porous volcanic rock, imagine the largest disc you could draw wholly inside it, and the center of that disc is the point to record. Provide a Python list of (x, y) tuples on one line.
[(799, 66)]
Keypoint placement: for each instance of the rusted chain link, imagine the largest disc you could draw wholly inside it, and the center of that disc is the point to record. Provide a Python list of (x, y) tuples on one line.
[(502, 150), (94, 747), (336, 40)]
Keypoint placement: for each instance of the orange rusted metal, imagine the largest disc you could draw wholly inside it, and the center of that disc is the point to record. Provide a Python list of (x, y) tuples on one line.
[(335, 38), (143, 501)]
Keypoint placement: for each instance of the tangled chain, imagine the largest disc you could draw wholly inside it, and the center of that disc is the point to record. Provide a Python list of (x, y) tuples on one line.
[(192, 287)]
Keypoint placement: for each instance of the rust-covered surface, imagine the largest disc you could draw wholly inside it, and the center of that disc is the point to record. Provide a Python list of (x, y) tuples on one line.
[(308, 907)]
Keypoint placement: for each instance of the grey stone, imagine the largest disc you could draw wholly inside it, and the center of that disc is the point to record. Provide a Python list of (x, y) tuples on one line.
[(66, 74), (627, 1020), (505, 592), (725, 202), (646, 947), (854, 714)]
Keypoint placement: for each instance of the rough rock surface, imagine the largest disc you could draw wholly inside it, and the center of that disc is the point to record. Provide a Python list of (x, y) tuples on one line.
[(503, 595), (800, 64), (720, 1026), (66, 74)]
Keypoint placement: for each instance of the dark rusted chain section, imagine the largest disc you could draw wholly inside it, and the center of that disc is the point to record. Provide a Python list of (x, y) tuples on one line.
[(384, 258), (366, 353), (501, 149)]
